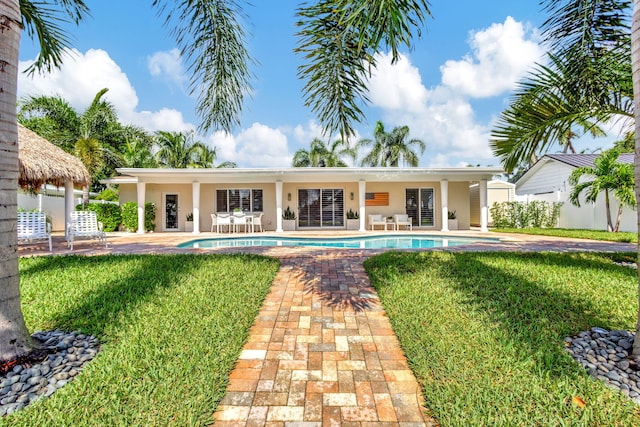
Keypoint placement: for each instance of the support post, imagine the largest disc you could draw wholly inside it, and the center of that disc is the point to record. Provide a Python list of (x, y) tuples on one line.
[(444, 201), (195, 189), (279, 207), (484, 209), (68, 205), (362, 193), (141, 189)]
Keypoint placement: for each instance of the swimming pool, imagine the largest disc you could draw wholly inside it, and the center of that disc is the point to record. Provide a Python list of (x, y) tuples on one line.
[(364, 242)]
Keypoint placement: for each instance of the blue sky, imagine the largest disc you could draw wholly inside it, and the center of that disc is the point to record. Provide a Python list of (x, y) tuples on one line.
[(449, 89)]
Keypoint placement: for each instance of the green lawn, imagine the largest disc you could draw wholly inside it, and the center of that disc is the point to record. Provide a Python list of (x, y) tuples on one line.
[(484, 333), (622, 236), (172, 327)]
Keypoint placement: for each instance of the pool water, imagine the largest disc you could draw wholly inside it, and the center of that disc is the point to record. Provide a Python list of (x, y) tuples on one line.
[(369, 242)]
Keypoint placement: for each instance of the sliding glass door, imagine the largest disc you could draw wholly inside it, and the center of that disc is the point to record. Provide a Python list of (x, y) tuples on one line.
[(419, 205), (320, 207)]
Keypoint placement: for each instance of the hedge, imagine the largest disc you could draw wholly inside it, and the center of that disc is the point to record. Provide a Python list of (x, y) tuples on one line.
[(107, 213), (130, 216)]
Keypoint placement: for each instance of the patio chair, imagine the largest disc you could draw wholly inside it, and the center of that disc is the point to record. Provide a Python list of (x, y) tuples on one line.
[(377, 219), (402, 219), (214, 220), (34, 226), (85, 225), (240, 219), (257, 221), (223, 220)]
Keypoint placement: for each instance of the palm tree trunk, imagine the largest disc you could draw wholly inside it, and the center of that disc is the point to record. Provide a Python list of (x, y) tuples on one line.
[(618, 218), (14, 336), (635, 58), (607, 206)]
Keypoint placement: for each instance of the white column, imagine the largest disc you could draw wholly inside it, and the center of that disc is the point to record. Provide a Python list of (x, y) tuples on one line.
[(195, 189), (362, 194), (444, 200), (484, 209), (68, 204), (141, 187), (279, 207)]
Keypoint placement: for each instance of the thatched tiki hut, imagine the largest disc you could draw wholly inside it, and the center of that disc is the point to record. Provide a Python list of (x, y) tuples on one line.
[(42, 162)]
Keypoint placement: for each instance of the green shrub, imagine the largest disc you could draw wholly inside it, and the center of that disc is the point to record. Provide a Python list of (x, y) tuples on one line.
[(108, 214), (535, 214), (109, 195), (130, 216)]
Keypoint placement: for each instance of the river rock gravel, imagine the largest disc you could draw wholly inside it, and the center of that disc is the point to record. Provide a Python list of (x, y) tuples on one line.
[(68, 353), (605, 356)]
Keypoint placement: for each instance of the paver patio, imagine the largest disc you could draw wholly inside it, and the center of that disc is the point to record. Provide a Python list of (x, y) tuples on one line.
[(321, 351)]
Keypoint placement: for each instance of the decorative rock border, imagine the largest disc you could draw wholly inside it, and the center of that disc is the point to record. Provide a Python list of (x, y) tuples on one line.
[(605, 355), (68, 352)]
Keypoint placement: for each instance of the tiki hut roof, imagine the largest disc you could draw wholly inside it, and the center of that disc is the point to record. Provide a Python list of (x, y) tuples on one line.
[(42, 162)]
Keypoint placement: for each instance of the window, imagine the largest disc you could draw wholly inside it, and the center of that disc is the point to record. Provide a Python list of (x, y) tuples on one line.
[(246, 200), (419, 204), (321, 207)]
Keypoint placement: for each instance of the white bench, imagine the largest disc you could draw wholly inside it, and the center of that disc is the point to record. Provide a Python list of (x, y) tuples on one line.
[(34, 226), (85, 225)]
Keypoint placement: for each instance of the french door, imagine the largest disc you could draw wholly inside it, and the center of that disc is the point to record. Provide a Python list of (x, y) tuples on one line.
[(419, 205), (320, 207), (171, 212)]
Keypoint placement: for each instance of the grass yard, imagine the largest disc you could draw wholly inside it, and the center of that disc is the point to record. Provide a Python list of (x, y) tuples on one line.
[(484, 333), (171, 327), (622, 236)]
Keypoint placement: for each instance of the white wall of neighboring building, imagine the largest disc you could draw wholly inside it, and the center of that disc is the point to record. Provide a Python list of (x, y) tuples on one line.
[(550, 183)]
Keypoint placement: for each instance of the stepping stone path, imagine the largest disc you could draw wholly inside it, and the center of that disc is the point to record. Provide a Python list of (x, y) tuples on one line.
[(322, 352)]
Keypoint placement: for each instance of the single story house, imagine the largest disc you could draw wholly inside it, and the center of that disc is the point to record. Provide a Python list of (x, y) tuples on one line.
[(548, 180), (320, 197)]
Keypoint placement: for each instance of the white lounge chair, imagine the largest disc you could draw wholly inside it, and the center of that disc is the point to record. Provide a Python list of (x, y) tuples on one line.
[(377, 219), (34, 226), (85, 225), (402, 219)]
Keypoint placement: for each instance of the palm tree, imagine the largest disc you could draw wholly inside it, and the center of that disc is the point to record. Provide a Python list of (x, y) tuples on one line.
[(608, 176), (319, 155), (84, 135), (391, 149), (212, 41), (135, 154), (181, 150)]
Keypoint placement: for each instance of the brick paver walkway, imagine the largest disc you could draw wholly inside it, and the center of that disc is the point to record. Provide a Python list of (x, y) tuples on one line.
[(322, 352)]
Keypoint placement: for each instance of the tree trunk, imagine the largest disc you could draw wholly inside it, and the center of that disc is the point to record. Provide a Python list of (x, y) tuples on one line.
[(635, 58), (607, 206), (85, 197), (14, 338), (618, 218)]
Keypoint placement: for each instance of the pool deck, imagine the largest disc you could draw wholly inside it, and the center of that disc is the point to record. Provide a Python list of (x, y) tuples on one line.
[(322, 350)]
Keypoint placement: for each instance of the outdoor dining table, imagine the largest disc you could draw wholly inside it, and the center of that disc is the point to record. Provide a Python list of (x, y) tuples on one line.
[(232, 216)]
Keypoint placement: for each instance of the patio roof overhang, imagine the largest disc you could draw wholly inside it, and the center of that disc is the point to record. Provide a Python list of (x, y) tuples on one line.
[(300, 175)]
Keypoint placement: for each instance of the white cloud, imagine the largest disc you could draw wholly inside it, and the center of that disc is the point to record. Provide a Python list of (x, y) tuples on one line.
[(443, 116), (168, 66), (257, 146), (84, 74), (501, 55)]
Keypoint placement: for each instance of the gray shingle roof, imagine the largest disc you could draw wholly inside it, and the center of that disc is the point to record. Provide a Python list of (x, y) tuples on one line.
[(580, 160)]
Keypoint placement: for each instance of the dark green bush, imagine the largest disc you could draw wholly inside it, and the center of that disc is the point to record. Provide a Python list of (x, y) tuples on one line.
[(130, 216), (108, 214)]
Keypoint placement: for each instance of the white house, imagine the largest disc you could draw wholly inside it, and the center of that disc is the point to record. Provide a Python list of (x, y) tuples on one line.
[(497, 192), (548, 180), (320, 197)]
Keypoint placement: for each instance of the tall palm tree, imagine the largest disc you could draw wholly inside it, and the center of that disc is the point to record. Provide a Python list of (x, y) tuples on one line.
[(635, 61), (135, 154), (608, 176), (391, 149), (181, 150), (319, 155), (43, 20), (212, 41)]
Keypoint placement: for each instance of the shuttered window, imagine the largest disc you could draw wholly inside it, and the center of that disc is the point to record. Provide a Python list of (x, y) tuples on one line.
[(246, 200)]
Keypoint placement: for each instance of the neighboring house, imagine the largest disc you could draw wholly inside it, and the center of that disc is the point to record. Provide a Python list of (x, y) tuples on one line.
[(320, 197), (497, 192), (548, 180)]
